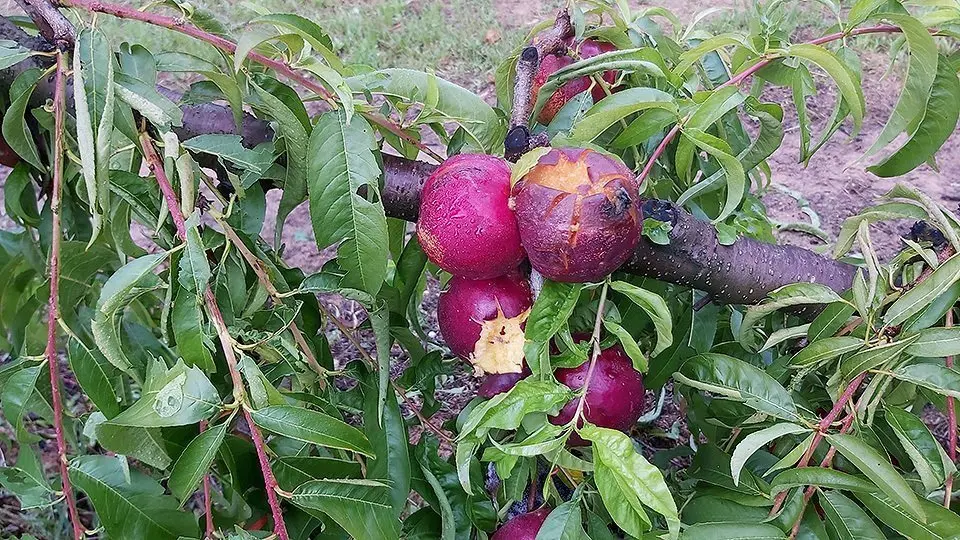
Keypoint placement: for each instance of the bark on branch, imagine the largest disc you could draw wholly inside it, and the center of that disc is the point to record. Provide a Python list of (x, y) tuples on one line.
[(742, 273)]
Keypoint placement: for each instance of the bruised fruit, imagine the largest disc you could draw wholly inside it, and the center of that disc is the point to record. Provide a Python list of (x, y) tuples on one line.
[(498, 383), (482, 321), (552, 63), (577, 213), (615, 396), (466, 226), (523, 527)]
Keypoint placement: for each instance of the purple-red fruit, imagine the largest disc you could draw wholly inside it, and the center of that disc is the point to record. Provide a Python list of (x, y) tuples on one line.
[(482, 321), (577, 213), (523, 527), (8, 157), (466, 226), (551, 63), (498, 383), (615, 396)]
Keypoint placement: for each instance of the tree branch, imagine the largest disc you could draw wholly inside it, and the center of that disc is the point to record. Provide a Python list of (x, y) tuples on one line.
[(742, 273), (53, 311), (226, 342), (53, 26)]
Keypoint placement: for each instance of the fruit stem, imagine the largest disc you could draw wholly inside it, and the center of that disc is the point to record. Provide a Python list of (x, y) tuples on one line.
[(595, 340), (270, 482), (53, 310)]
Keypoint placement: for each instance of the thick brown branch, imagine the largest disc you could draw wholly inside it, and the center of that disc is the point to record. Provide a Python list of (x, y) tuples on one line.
[(53, 26)]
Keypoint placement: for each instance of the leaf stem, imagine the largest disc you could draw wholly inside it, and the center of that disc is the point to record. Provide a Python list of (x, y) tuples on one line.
[(747, 73), (270, 482), (53, 311), (181, 25)]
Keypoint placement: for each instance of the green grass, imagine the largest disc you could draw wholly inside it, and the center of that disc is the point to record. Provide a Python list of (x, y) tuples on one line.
[(445, 37)]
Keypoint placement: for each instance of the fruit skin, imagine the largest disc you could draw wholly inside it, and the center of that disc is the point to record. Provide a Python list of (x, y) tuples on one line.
[(498, 383), (466, 304), (578, 214), (615, 398), (8, 157), (551, 63), (465, 225), (523, 527)]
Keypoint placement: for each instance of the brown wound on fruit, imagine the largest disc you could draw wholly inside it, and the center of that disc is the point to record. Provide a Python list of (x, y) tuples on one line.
[(500, 347)]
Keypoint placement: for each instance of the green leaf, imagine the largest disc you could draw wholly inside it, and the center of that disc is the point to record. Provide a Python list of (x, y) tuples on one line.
[(829, 321), (506, 411), (732, 531), (94, 374), (939, 523), (923, 449), (293, 471), (12, 53), (484, 128), (26, 481), (655, 307), (639, 482), (565, 522), (129, 504), (797, 294), (757, 440), (940, 379), (299, 151), (825, 350), (736, 379), (361, 507), (15, 130), (143, 444), (134, 279), (19, 197), (611, 109), (629, 345), (821, 477), (341, 163), (195, 461), (194, 271), (938, 123), (312, 427), (921, 71), (874, 357), (877, 468), (230, 148), (733, 170), (177, 396), (16, 399), (389, 441), (936, 342), (551, 310), (846, 519), (194, 344), (150, 103), (849, 88), (94, 91)]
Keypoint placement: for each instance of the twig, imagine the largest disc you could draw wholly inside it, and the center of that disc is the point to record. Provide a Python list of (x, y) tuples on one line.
[(822, 428), (951, 425), (352, 338), (226, 342), (747, 73), (207, 502), (53, 26), (552, 41), (258, 268), (181, 25), (595, 340), (53, 311)]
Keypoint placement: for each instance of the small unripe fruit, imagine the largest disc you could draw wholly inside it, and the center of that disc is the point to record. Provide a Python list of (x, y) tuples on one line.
[(498, 383), (577, 213), (615, 396), (482, 321), (551, 63), (465, 225), (523, 527)]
